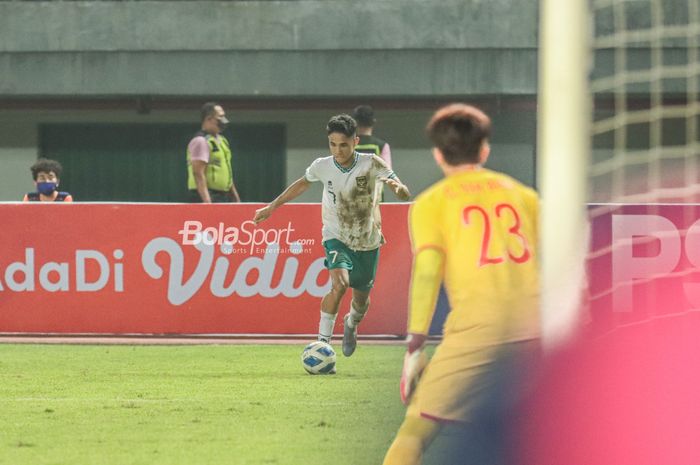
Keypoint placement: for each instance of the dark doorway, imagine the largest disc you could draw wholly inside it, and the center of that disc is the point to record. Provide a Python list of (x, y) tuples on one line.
[(147, 162)]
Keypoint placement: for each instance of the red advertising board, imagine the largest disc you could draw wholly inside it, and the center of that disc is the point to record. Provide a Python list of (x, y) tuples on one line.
[(181, 269), (644, 263)]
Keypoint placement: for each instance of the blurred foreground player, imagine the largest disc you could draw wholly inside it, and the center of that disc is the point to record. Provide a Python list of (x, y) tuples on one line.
[(476, 230), (629, 396)]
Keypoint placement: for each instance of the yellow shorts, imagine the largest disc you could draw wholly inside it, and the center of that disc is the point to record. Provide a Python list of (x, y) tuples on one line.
[(460, 381)]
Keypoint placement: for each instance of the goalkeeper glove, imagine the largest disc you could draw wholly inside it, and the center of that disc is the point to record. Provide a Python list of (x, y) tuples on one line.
[(414, 362)]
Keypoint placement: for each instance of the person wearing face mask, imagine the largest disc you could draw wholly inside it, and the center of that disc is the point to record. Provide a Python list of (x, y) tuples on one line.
[(46, 174), (209, 172)]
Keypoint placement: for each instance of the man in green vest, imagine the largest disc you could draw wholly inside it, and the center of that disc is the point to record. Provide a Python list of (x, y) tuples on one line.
[(364, 115), (369, 143), (209, 172)]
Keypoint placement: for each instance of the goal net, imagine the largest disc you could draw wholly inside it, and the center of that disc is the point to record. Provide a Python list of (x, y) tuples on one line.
[(644, 84), (634, 181)]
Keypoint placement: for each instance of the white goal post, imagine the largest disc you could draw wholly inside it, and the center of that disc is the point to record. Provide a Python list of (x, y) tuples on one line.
[(564, 118)]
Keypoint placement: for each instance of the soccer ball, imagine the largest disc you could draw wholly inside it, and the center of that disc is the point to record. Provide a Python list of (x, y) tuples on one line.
[(318, 358)]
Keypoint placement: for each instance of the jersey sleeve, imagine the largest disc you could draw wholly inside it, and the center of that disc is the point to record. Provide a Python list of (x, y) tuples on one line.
[(313, 172), (428, 264), (426, 278), (199, 149), (386, 154), (423, 225), (382, 169)]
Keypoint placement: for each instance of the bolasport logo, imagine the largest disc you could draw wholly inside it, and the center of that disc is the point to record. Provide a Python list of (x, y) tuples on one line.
[(245, 238)]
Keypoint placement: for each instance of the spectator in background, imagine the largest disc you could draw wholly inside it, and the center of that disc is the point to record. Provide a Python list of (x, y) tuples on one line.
[(364, 115), (209, 172), (47, 176)]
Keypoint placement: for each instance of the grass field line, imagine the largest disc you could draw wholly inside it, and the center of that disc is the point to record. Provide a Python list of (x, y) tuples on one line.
[(228, 400), (175, 341)]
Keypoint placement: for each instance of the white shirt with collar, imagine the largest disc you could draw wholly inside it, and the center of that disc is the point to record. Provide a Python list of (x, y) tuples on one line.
[(350, 202)]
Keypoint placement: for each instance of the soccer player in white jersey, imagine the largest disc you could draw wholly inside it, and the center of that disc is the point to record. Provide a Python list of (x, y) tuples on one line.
[(351, 223)]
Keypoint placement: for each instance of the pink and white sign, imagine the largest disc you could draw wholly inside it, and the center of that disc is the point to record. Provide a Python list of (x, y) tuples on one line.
[(181, 269), (644, 262)]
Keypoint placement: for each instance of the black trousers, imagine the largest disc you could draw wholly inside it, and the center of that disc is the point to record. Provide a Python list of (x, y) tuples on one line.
[(216, 196)]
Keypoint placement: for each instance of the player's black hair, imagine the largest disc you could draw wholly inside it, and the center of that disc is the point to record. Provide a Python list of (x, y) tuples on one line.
[(364, 115), (343, 124), (459, 130), (44, 165), (208, 109)]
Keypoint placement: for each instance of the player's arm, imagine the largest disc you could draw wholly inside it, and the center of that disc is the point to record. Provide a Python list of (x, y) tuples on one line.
[(294, 190), (426, 278), (399, 188), (428, 267), (388, 177), (199, 169), (386, 154)]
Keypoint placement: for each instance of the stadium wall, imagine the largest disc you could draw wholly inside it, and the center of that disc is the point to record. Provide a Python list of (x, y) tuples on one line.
[(264, 49), (513, 140), (156, 62)]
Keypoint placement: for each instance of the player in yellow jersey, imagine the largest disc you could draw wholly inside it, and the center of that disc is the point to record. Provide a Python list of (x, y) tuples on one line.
[(476, 231)]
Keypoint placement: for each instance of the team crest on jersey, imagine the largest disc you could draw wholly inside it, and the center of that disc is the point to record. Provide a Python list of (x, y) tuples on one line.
[(361, 182)]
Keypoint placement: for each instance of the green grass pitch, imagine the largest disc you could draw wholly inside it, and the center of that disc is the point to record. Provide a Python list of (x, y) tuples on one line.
[(206, 404)]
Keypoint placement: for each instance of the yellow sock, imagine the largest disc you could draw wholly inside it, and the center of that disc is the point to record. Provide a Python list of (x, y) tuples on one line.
[(413, 438)]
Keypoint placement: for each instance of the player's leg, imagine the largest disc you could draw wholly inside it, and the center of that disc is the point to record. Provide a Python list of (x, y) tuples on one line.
[(413, 438), (339, 265), (330, 303), (358, 309), (361, 280)]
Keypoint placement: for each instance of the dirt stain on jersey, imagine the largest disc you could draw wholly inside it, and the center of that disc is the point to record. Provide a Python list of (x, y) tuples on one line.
[(379, 164), (356, 215)]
